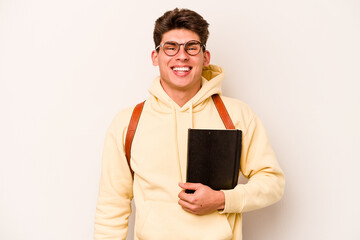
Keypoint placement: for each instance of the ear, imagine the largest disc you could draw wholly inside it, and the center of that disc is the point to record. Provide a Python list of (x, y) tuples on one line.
[(154, 57), (206, 58)]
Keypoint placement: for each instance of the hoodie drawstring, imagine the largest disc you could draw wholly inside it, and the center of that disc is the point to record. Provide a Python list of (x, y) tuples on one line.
[(191, 115), (174, 114)]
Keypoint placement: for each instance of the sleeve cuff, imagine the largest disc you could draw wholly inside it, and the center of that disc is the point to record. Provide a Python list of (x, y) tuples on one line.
[(234, 200)]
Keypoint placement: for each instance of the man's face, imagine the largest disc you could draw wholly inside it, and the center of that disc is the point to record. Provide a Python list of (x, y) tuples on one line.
[(181, 72)]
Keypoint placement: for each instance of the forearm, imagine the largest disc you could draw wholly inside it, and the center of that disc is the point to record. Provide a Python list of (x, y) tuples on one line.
[(262, 190)]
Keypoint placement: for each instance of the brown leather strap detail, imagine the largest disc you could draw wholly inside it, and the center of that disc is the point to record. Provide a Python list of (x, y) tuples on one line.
[(134, 120), (225, 117), (131, 132)]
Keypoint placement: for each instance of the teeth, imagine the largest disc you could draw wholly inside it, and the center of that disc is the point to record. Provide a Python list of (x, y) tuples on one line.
[(181, 69)]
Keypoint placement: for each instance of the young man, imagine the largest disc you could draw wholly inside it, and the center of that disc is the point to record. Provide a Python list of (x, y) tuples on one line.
[(181, 99)]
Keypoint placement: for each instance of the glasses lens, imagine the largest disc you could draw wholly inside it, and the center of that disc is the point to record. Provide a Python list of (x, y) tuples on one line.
[(171, 48), (193, 47)]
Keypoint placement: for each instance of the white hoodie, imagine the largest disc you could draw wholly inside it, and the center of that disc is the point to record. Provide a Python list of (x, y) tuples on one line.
[(158, 158)]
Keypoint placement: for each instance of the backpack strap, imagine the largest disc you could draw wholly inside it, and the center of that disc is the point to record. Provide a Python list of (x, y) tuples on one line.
[(134, 120), (225, 117)]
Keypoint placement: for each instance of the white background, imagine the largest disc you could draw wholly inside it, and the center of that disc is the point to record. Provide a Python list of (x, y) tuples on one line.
[(67, 67)]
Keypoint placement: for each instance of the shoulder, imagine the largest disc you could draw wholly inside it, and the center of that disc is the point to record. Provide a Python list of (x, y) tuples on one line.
[(121, 121), (241, 113), (236, 106), (234, 101)]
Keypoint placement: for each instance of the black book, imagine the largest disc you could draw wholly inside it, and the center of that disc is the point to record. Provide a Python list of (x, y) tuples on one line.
[(214, 157)]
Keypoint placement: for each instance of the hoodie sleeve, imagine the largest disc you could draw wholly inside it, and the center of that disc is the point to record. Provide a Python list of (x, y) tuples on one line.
[(115, 193), (259, 165)]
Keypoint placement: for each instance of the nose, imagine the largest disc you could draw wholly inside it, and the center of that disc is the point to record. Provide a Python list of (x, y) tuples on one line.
[(182, 54)]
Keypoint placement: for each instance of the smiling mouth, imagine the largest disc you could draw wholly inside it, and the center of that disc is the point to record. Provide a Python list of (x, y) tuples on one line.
[(181, 69)]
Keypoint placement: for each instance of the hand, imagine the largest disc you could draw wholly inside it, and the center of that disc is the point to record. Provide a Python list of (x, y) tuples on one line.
[(203, 201)]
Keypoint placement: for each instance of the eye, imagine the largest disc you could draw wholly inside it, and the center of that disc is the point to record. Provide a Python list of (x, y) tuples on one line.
[(170, 46), (193, 46)]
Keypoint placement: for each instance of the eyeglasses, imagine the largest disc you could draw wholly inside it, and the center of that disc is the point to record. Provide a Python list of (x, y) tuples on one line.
[(171, 48)]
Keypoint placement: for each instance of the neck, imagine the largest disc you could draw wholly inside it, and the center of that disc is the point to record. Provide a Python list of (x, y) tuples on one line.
[(181, 96)]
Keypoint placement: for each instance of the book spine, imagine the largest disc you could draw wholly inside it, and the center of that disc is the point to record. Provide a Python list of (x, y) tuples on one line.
[(237, 158)]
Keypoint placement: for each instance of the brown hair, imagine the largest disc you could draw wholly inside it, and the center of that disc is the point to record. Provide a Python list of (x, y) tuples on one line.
[(181, 19)]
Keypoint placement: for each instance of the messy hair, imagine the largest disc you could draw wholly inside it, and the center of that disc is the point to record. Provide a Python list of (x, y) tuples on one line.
[(181, 19)]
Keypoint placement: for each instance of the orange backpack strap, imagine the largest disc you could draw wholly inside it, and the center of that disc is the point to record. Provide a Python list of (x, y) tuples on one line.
[(225, 117), (134, 120)]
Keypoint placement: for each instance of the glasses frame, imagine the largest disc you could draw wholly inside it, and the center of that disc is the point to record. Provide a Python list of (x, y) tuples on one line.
[(202, 46)]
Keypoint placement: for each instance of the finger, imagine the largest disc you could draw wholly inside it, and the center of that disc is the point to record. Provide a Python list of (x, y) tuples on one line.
[(186, 196), (189, 210), (189, 207), (185, 204), (182, 195), (190, 186)]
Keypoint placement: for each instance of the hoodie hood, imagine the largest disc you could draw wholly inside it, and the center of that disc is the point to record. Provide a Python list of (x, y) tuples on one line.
[(212, 77)]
